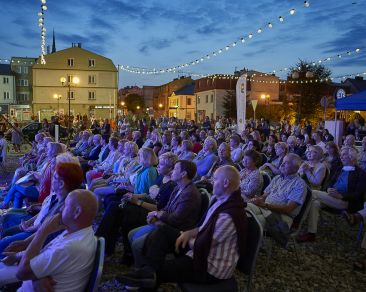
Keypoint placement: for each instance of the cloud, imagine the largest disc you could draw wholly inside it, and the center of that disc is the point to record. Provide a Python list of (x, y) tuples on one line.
[(156, 44)]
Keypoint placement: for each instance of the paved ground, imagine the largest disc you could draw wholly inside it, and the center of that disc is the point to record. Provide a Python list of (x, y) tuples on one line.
[(325, 265)]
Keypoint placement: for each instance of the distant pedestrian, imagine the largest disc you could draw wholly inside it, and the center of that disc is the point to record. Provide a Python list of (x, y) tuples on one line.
[(16, 138)]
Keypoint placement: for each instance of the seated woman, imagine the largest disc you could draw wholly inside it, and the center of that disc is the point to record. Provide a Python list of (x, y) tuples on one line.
[(273, 167), (332, 158), (66, 177), (125, 168), (251, 180), (38, 188), (313, 171), (144, 178), (206, 158), (107, 164), (136, 207), (186, 152)]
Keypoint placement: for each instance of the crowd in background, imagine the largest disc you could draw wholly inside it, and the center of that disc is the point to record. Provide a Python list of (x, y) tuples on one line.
[(169, 186)]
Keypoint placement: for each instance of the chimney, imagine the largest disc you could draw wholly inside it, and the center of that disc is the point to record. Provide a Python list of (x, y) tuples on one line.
[(79, 45)]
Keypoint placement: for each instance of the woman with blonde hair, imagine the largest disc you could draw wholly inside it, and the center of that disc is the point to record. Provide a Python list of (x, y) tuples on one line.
[(145, 176), (313, 171)]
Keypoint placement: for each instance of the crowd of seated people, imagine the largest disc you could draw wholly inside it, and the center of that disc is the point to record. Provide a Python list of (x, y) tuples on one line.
[(146, 186)]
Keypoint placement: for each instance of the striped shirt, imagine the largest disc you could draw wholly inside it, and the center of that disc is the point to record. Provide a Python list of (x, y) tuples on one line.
[(224, 251)]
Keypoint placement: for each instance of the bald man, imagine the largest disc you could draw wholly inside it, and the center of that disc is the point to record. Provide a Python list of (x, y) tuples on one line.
[(67, 260), (223, 229)]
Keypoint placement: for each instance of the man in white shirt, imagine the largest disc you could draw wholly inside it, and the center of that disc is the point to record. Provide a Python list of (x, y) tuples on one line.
[(66, 261)]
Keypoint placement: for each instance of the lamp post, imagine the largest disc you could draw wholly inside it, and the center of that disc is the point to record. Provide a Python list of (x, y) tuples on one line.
[(58, 97), (74, 82), (265, 98)]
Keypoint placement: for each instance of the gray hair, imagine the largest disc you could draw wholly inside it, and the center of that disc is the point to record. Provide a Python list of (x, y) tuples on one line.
[(170, 157), (352, 153), (212, 141), (295, 160), (67, 157)]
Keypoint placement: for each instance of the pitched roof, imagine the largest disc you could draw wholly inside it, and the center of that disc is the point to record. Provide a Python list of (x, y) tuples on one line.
[(5, 69), (357, 84), (187, 90)]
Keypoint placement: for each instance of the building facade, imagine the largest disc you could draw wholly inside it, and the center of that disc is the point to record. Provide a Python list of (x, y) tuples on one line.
[(7, 88), (182, 103), (94, 95), (22, 68), (210, 94)]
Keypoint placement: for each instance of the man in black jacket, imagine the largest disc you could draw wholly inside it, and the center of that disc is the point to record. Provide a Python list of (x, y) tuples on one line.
[(345, 191), (215, 246)]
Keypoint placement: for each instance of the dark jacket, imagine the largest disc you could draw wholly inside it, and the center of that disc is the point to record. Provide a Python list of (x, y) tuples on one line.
[(355, 190), (235, 207), (94, 153), (183, 209)]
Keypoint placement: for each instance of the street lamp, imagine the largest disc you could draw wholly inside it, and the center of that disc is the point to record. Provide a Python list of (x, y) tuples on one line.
[(74, 82), (138, 107), (58, 97)]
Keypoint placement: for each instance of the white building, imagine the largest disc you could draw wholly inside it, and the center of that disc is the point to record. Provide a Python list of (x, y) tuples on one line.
[(182, 103), (7, 88)]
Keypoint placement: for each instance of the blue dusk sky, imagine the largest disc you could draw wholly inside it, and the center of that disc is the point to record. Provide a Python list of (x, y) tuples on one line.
[(164, 33)]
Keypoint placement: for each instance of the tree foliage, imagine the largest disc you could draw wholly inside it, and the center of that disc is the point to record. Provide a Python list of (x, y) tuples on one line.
[(307, 91), (134, 100), (229, 104)]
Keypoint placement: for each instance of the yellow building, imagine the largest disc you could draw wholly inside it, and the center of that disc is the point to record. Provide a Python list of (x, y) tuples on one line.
[(182, 103), (93, 95)]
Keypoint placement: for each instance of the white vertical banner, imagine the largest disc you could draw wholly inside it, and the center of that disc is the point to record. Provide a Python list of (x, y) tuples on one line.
[(57, 133), (241, 102)]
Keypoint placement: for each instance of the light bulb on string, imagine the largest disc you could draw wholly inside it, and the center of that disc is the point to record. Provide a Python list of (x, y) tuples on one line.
[(306, 4), (270, 25), (259, 30), (292, 11), (281, 19)]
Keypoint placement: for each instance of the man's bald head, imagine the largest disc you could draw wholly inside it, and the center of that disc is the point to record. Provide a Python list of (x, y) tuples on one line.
[(81, 207), (226, 180)]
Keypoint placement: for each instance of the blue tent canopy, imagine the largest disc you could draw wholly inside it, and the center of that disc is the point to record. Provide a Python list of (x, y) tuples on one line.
[(356, 102)]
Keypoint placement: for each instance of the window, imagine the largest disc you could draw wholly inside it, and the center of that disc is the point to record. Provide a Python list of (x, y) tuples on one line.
[(188, 116), (25, 70), (198, 99), (71, 95), (23, 82), (211, 98), (91, 79), (70, 62), (6, 80), (189, 101), (69, 78), (19, 69), (6, 95), (206, 98), (91, 95), (91, 62), (23, 97)]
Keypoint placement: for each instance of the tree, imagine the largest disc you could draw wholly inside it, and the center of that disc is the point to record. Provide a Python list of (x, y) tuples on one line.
[(229, 104), (133, 101), (304, 84)]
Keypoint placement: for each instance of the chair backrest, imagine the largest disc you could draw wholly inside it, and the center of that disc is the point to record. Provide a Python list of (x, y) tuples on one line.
[(254, 241), (206, 197), (300, 218), (210, 172), (266, 180), (96, 273)]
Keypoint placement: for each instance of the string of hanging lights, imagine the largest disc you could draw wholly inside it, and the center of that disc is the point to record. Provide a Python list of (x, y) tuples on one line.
[(41, 24), (241, 40)]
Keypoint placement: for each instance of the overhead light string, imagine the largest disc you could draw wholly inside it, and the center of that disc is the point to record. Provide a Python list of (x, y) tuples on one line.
[(41, 24), (241, 40)]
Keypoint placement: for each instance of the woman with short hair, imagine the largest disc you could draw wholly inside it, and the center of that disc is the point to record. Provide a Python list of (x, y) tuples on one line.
[(251, 180)]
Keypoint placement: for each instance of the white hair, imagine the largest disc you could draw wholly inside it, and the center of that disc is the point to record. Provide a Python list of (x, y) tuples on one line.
[(67, 157)]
